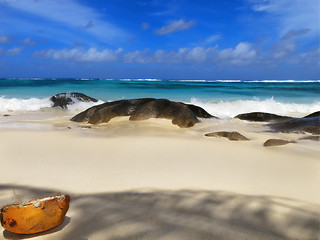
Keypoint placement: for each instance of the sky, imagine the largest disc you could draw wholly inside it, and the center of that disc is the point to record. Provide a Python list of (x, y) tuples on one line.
[(166, 39)]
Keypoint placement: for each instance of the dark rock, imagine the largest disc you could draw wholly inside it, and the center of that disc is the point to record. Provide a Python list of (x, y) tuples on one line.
[(315, 114), (6, 115), (64, 99), (313, 138), (276, 142), (198, 111), (261, 117), (233, 136), (310, 125), (140, 109)]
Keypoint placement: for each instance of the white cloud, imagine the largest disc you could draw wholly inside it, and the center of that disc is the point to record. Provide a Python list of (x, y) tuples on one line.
[(28, 41), (291, 14), (80, 55), (175, 26), (11, 52), (4, 39), (69, 13), (243, 54), (212, 38)]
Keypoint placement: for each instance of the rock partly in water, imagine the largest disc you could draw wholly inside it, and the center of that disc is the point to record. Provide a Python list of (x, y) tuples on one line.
[(309, 125), (312, 138), (181, 114), (261, 117), (233, 136), (312, 115), (64, 99), (276, 142), (6, 115), (198, 111)]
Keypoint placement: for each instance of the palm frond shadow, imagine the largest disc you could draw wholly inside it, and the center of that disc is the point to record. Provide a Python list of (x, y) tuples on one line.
[(183, 214)]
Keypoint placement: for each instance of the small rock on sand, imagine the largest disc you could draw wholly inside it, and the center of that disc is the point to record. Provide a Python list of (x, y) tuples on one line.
[(276, 142), (312, 138), (233, 136)]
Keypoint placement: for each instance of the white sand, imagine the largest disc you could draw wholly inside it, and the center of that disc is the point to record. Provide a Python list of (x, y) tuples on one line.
[(153, 180)]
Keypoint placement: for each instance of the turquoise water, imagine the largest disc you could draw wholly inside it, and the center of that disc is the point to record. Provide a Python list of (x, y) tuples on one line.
[(282, 91), (218, 96)]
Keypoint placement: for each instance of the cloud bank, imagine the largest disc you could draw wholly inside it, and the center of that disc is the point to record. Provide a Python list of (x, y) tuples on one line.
[(80, 55), (242, 54), (11, 51)]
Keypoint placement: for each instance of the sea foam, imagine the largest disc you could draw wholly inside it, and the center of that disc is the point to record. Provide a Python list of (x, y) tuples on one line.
[(35, 104), (16, 104), (229, 109), (222, 109)]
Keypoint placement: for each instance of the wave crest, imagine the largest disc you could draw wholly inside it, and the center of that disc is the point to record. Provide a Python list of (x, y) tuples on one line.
[(229, 109)]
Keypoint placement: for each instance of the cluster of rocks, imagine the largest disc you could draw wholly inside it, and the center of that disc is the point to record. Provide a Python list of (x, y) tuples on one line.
[(185, 115), (309, 123), (181, 114)]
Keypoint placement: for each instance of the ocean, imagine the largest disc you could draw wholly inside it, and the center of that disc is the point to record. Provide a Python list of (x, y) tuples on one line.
[(221, 98)]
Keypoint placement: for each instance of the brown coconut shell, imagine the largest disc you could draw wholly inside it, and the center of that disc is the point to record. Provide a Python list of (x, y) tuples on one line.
[(35, 216)]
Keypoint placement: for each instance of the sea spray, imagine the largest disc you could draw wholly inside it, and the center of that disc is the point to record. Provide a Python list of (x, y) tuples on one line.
[(36, 104), (229, 109)]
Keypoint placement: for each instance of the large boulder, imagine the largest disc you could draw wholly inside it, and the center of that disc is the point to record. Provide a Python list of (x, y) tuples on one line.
[(64, 99), (309, 125), (315, 114), (183, 115), (261, 117)]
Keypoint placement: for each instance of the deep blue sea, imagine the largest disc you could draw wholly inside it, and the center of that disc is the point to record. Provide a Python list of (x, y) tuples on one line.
[(223, 98)]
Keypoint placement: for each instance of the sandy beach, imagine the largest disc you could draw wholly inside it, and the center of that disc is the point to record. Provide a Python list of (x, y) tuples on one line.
[(153, 180)]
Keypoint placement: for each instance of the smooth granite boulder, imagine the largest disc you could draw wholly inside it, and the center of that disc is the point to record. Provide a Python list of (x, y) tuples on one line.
[(261, 117), (315, 114), (183, 115), (233, 136), (276, 142), (64, 99), (309, 125)]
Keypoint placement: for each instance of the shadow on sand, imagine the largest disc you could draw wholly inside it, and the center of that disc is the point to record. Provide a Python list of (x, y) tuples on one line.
[(183, 214)]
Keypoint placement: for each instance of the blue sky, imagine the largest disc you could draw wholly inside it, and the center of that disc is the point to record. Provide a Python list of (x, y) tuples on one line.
[(177, 39)]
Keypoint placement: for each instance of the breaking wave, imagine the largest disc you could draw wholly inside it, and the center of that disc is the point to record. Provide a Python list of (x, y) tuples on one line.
[(226, 109), (35, 104)]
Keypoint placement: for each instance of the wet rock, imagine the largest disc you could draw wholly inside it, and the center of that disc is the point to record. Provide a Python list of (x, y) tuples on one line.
[(312, 115), (181, 114), (276, 142), (198, 111), (233, 136), (312, 138), (64, 99), (309, 125), (261, 117)]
